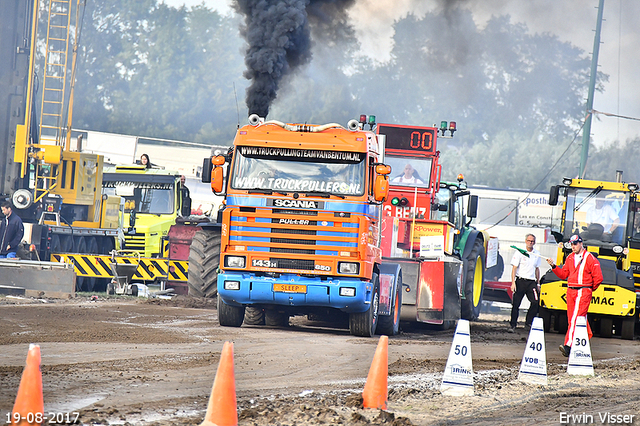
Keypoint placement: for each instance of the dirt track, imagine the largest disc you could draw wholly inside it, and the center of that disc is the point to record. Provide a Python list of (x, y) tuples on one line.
[(139, 362)]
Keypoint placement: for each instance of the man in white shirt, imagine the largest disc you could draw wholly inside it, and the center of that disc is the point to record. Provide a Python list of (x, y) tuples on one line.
[(525, 276), (603, 214), (407, 176)]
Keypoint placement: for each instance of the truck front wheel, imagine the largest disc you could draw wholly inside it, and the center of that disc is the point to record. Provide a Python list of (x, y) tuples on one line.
[(229, 315), (204, 260), (364, 323), (473, 282)]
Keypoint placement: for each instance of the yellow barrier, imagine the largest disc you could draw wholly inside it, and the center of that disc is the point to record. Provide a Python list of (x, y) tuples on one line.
[(148, 270)]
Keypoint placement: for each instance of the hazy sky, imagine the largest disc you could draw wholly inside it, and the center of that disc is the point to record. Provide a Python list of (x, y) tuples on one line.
[(572, 20)]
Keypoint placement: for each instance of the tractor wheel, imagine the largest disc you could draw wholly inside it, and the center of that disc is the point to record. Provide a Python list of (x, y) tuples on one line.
[(253, 315), (365, 323), (390, 324), (56, 246), (627, 329), (82, 283), (204, 260), (473, 282), (228, 315), (105, 245)]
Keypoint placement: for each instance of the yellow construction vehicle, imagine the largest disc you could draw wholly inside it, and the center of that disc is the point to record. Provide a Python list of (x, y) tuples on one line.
[(603, 214), (54, 187)]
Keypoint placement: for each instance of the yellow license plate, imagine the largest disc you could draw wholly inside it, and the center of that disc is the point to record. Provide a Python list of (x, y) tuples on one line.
[(290, 288)]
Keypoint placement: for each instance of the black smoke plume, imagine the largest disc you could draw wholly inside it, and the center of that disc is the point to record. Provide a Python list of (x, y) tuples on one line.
[(278, 33)]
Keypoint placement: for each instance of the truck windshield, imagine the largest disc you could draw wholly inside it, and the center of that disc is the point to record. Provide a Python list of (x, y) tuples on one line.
[(299, 170), (409, 171), (143, 197), (597, 215)]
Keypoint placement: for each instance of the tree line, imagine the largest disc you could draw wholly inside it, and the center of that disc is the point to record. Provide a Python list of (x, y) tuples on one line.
[(149, 69)]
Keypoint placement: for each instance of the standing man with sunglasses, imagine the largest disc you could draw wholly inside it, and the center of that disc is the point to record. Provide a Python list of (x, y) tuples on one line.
[(525, 276), (583, 274)]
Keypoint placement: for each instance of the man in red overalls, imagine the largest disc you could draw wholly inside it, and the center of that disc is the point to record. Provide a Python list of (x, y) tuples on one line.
[(583, 274)]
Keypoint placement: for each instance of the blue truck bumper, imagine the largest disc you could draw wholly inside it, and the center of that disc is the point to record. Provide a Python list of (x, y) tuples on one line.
[(293, 290)]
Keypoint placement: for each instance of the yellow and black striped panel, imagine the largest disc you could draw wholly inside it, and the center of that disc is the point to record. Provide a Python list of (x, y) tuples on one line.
[(178, 270), (149, 269), (86, 265), (165, 247)]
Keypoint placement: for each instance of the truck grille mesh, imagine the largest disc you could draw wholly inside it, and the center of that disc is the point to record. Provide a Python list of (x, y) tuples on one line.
[(289, 232)]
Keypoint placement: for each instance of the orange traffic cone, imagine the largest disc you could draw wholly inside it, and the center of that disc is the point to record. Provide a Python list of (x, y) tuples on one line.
[(222, 409), (375, 390), (29, 401)]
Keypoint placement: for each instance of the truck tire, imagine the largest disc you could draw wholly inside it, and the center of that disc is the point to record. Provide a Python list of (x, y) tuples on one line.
[(275, 318), (562, 322), (606, 327), (228, 315), (364, 323), (204, 260), (390, 324), (545, 314), (627, 329), (473, 282), (253, 315)]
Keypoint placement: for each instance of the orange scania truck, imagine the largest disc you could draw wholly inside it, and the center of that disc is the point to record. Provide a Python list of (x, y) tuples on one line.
[(300, 231)]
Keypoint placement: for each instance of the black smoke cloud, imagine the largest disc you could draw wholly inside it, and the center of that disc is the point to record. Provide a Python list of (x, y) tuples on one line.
[(278, 33)]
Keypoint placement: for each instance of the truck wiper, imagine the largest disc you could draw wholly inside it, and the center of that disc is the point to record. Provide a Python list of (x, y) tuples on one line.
[(592, 194), (322, 194), (259, 191), (264, 191)]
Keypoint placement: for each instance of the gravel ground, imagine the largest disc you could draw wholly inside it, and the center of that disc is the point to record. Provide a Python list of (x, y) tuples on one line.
[(126, 361)]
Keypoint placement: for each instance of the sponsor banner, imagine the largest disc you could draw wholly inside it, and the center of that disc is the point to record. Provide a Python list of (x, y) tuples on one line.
[(297, 185), (302, 154), (141, 185)]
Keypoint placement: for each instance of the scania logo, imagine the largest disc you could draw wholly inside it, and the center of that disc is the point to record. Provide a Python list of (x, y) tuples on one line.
[(299, 204)]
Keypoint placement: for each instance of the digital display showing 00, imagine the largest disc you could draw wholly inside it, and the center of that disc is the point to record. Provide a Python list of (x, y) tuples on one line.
[(409, 138)]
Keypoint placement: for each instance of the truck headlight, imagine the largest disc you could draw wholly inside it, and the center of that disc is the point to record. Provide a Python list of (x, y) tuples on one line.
[(347, 291), (234, 261), (232, 285), (350, 268)]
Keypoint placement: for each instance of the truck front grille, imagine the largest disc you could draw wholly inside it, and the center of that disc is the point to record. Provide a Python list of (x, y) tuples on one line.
[(292, 232)]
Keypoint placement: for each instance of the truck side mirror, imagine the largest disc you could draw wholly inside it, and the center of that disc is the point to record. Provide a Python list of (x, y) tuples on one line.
[(216, 176), (132, 222), (206, 170), (381, 188), (185, 207), (553, 195), (381, 184), (217, 180), (472, 208)]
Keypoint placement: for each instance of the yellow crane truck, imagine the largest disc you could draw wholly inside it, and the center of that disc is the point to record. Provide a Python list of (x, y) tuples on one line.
[(54, 188)]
